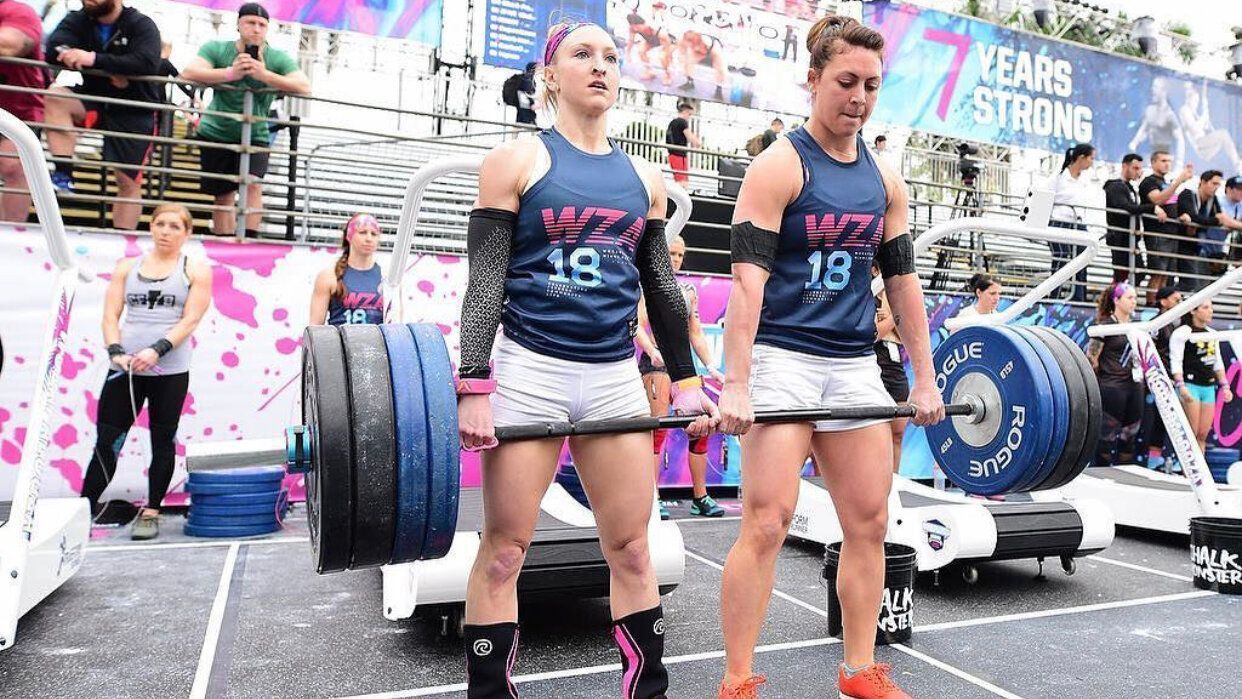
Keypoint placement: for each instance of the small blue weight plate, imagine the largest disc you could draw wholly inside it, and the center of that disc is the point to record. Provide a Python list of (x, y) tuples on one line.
[(444, 443), (994, 455), (233, 500), (201, 520), (226, 532), (232, 488), (253, 474), (410, 415), (209, 510)]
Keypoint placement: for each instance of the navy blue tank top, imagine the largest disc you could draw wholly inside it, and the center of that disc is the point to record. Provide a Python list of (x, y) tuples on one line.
[(818, 299), (571, 291), (363, 300)]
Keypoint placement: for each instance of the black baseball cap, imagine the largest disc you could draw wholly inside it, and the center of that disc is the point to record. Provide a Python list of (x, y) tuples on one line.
[(253, 9), (1234, 182), (1165, 292)]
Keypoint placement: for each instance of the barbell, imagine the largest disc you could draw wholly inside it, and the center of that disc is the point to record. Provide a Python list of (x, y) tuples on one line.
[(380, 448)]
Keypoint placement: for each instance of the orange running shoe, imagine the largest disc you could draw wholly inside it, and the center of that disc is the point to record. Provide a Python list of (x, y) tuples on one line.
[(748, 689), (872, 683)]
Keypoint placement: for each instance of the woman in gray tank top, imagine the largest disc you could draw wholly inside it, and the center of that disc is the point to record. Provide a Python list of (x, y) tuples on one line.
[(162, 296)]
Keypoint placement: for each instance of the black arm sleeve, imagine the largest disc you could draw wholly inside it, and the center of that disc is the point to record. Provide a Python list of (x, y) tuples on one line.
[(489, 239), (896, 256), (749, 243), (666, 307)]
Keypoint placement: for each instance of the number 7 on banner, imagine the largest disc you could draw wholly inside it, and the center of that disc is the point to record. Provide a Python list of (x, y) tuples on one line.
[(961, 45)]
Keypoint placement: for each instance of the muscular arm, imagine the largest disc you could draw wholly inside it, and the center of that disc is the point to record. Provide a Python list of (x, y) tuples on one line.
[(883, 319), (15, 43), (200, 71), (698, 339), (641, 337), (321, 296), (904, 293), (295, 83), (114, 301), (1095, 347), (666, 308), (489, 240), (196, 304), (1177, 351), (771, 182)]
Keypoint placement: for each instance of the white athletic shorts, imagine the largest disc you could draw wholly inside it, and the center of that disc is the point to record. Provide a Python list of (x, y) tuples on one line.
[(534, 388), (782, 379)]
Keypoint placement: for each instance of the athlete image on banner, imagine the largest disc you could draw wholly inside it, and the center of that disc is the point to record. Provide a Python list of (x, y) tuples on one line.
[(716, 50)]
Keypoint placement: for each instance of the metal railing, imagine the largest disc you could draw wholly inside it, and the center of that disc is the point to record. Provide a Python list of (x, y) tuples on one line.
[(324, 169)]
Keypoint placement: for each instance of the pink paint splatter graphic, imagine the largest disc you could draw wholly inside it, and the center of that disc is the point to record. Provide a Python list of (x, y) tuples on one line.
[(65, 437), (280, 314), (229, 301), (229, 359), (288, 345), (70, 470), (260, 259)]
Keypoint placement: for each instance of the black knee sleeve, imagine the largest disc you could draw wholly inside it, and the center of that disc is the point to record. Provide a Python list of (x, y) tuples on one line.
[(491, 650), (640, 640)]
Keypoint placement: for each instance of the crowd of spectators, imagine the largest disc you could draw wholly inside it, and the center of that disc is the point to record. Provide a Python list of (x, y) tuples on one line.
[(117, 49)]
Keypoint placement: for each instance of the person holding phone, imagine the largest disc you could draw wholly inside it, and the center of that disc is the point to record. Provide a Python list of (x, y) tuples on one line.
[(232, 68)]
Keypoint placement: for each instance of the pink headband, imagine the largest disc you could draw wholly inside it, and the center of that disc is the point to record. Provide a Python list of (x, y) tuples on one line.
[(554, 41), (1120, 290), (357, 222)]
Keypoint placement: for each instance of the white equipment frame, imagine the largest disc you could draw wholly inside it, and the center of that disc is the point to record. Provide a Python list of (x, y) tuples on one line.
[(1153, 500), (42, 543)]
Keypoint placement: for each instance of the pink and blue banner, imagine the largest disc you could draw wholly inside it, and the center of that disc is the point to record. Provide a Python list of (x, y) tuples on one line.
[(413, 20), (968, 79)]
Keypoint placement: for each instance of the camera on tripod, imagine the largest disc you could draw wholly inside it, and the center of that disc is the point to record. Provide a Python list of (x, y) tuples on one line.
[(967, 168)]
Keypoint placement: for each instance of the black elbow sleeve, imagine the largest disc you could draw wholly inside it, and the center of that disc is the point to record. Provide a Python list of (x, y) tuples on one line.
[(749, 243)]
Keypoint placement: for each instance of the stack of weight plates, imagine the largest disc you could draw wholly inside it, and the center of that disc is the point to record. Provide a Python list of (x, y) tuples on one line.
[(1219, 460), (235, 502)]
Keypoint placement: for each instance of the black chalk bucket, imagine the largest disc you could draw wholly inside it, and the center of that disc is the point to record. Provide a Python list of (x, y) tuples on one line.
[(1216, 553), (896, 622)]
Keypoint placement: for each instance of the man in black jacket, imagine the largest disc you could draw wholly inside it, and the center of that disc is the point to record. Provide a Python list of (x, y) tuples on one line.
[(121, 41), (1125, 208), (1200, 211)]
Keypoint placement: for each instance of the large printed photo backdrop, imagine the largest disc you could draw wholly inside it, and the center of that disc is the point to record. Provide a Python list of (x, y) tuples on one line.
[(245, 377), (413, 20), (750, 53), (964, 78)]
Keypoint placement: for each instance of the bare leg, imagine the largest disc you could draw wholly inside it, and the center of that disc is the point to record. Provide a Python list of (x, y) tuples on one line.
[(254, 200), (14, 206), (857, 472), (64, 110), (125, 214), (621, 500), (899, 432), (223, 221), (698, 474), (772, 457), (515, 477)]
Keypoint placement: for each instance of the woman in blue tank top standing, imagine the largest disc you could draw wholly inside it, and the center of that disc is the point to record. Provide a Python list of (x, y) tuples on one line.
[(162, 296), (351, 291), (814, 211), (566, 230)]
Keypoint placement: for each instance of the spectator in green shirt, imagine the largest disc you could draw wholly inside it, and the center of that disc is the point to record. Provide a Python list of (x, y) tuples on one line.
[(230, 63)]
